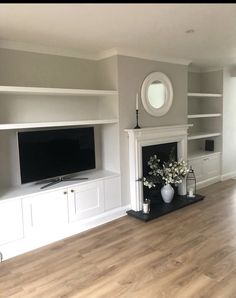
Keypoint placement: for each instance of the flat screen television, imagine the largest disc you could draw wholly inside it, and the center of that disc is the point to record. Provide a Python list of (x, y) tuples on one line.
[(53, 153)]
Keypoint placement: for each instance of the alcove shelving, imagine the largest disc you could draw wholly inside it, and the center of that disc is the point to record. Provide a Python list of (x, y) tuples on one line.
[(204, 95), (55, 91), (195, 116), (205, 117), (202, 135), (55, 124), (25, 108), (52, 107)]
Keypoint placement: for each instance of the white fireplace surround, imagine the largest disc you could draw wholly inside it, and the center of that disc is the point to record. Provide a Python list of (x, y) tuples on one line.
[(139, 138)]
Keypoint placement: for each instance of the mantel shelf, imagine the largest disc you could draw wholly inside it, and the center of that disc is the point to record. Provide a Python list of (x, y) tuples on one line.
[(204, 115), (55, 124), (55, 91), (190, 94)]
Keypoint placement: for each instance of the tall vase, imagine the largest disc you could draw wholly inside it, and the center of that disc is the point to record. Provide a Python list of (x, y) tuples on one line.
[(167, 193)]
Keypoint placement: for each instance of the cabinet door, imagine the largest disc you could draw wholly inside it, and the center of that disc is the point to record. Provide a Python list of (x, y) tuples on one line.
[(211, 166), (86, 200), (11, 222), (197, 165), (45, 214), (112, 193)]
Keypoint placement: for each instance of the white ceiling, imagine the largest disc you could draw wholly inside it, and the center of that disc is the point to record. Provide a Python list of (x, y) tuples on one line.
[(145, 30)]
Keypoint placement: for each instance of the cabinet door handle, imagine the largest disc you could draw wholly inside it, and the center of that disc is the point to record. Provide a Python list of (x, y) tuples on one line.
[(72, 190), (65, 192)]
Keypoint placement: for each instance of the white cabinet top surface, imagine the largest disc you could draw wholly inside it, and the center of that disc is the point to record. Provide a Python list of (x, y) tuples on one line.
[(34, 188)]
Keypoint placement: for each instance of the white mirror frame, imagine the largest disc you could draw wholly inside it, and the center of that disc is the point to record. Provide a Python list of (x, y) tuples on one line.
[(157, 76)]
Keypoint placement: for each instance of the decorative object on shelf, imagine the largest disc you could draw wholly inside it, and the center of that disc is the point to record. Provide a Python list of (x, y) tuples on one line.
[(191, 183), (157, 94), (167, 193), (209, 145), (166, 173), (137, 110), (146, 206)]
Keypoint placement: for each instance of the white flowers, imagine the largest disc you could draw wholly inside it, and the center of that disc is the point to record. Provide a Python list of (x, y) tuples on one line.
[(171, 172)]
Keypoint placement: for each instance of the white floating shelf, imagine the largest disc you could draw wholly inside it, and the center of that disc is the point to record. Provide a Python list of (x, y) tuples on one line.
[(201, 153), (204, 115), (202, 135), (55, 124), (55, 91), (204, 95)]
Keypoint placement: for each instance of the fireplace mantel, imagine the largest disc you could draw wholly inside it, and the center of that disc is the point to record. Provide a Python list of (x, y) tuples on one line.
[(148, 136)]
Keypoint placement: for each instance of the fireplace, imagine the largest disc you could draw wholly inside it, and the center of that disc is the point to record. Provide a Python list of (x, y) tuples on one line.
[(164, 152), (160, 140), (139, 141)]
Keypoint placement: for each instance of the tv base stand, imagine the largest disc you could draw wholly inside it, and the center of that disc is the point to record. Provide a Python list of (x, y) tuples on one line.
[(61, 179)]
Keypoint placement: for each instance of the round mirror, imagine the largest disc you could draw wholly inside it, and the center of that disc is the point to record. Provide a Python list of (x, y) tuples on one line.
[(157, 94)]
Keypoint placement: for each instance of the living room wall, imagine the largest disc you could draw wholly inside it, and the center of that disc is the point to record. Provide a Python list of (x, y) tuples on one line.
[(20, 68), (126, 74)]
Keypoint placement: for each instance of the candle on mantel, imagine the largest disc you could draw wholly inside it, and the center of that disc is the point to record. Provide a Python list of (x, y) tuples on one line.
[(137, 101)]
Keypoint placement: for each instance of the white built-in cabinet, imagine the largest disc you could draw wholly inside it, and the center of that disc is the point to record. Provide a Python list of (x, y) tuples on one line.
[(112, 193), (11, 221), (205, 110), (33, 220), (206, 168), (85, 200), (45, 214), (31, 217)]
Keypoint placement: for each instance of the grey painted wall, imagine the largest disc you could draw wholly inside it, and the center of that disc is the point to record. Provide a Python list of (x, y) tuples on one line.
[(194, 82), (131, 73), (19, 68), (107, 73)]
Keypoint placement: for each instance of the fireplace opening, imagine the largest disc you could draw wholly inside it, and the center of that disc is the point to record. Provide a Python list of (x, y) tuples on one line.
[(164, 152)]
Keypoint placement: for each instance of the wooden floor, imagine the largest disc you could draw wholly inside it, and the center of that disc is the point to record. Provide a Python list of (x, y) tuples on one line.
[(188, 253)]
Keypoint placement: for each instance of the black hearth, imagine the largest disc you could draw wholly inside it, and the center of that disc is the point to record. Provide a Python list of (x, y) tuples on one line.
[(159, 208)]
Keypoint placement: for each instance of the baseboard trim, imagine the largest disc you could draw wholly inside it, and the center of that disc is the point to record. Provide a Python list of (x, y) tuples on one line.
[(229, 175), (95, 221), (208, 182)]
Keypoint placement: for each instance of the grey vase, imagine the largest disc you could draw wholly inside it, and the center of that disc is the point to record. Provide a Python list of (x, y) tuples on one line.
[(167, 193)]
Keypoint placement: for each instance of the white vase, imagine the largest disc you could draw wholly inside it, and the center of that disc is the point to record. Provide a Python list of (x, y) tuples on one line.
[(167, 193)]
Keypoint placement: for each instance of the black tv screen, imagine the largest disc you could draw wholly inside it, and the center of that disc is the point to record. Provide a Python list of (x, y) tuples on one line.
[(51, 153)]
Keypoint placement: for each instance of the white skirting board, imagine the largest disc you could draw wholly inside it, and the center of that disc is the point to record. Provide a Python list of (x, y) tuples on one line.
[(24, 245), (208, 182), (230, 175)]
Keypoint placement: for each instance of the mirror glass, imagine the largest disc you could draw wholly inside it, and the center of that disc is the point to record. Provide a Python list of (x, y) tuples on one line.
[(157, 94)]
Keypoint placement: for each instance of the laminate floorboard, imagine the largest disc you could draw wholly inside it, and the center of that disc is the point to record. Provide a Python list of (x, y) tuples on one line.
[(190, 253)]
